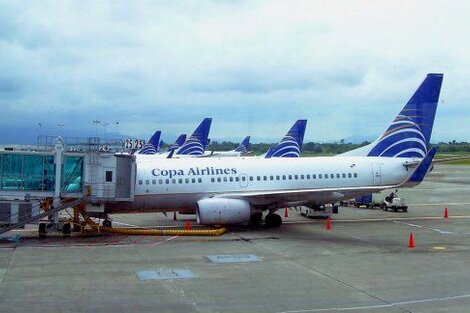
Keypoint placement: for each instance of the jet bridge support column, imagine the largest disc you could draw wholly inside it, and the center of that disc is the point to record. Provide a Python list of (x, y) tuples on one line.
[(58, 161)]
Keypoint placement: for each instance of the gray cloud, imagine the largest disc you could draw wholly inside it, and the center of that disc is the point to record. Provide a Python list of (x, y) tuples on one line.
[(255, 67)]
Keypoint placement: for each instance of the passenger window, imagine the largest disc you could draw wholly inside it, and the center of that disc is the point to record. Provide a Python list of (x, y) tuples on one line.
[(154, 182), (337, 176), (314, 176), (278, 177), (225, 179), (193, 180), (258, 178), (265, 177), (344, 175), (308, 176), (219, 179), (140, 182), (319, 176), (231, 179), (301, 176), (355, 175), (283, 177), (332, 176), (173, 181), (296, 176), (349, 175), (237, 179), (160, 181), (271, 177), (212, 180), (326, 176), (243, 178), (290, 177), (186, 180), (147, 182), (167, 181), (180, 180), (251, 178), (199, 180)]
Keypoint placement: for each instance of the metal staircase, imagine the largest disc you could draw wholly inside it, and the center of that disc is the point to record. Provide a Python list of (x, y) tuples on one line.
[(29, 219)]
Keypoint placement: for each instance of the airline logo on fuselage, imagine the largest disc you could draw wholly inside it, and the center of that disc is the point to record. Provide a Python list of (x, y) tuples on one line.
[(193, 172)]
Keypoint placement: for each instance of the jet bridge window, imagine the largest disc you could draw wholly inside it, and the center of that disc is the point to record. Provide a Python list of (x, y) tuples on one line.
[(109, 176)]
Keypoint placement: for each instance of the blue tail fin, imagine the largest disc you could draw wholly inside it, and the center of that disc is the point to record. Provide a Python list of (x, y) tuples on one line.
[(422, 168), (410, 132), (196, 144), (178, 143), (269, 153), (291, 144), (153, 145), (244, 147)]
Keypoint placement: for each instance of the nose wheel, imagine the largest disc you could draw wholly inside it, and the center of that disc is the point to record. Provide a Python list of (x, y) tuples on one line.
[(273, 220)]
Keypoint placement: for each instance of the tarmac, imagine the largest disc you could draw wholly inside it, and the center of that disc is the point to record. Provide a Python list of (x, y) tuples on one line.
[(363, 264)]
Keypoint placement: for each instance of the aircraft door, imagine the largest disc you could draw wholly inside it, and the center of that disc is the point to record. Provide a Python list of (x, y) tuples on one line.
[(243, 180), (376, 173)]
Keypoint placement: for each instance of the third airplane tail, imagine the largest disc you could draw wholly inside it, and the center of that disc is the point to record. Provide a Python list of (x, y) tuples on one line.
[(291, 144)]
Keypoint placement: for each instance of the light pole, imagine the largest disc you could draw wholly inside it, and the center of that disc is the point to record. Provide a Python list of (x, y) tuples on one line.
[(105, 125), (117, 129), (96, 122), (61, 126)]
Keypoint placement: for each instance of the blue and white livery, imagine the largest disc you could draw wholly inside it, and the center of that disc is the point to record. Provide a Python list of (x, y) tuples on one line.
[(197, 143), (153, 145), (291, 145)]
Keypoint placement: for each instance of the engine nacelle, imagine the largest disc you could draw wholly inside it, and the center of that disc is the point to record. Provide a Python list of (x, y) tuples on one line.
[(219, 211)]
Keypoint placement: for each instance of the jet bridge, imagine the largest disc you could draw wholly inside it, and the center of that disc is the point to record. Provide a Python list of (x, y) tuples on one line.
[(39, 183)]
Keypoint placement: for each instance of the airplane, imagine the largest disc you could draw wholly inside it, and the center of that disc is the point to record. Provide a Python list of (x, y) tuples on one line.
[(238, 190), (291, 145), (179, 141), (153, 145), (197, 143), (243, 148)]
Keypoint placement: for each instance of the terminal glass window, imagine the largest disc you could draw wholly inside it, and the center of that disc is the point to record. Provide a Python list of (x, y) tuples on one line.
[(27, 172), (72, 174)]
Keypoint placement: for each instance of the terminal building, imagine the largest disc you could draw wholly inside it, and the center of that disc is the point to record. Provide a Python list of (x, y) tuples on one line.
[(61, 172)]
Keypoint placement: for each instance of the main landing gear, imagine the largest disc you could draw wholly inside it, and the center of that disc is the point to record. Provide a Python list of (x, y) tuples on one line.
[(273, 220)]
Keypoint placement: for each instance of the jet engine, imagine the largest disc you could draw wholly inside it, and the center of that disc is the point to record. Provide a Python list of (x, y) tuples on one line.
[(219, 211)]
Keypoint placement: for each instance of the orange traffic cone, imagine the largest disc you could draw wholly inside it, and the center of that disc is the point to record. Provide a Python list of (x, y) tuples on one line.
[(411, 241), (174, 216), (286, 213), (446, 214), (328, 223), (188, 225)]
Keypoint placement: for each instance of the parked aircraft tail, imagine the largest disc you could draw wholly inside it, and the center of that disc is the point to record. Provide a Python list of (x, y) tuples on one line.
[(153, 145), (196, 144), (410, 132), (178, 143), (291, 144), (244, 146)]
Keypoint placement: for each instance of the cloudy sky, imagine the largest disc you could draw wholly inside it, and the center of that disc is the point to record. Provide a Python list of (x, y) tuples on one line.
[(254, 66)]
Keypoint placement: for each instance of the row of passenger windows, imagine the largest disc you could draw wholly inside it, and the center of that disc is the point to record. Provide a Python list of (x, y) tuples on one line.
[(250, 178)]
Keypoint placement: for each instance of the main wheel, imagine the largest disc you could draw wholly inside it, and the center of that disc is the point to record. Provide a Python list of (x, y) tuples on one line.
[(277, 220), (42, 230), (107, 223), (384, 207)]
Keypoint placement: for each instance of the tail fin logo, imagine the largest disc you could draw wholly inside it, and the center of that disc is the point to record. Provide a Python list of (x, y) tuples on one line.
[(192, 146), (288, 148)]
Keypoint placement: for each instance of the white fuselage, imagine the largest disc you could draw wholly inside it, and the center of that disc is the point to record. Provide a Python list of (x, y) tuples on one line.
[(177, 184)]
